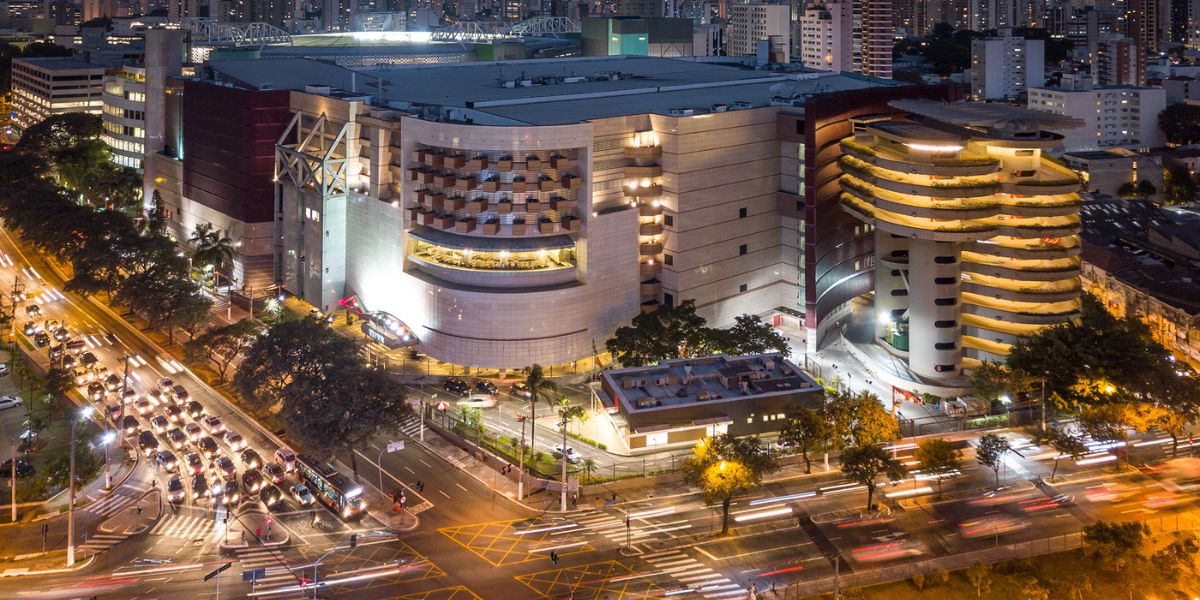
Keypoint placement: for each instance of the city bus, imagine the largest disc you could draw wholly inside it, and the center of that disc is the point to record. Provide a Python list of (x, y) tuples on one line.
[(337, 493)]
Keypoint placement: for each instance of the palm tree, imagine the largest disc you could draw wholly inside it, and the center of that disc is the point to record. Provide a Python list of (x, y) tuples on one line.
[(212, 247), (536, 383), (589, 466)]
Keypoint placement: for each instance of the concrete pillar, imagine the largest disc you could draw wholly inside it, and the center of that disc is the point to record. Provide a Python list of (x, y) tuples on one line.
[(891, 291), (934, 309)]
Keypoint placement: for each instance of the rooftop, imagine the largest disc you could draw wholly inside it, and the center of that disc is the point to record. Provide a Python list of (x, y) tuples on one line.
[(560, 91), (59, 63), (690, 380), (988, 115)]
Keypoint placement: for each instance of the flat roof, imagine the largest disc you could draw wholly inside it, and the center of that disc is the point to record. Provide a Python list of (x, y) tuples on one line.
[(722, 378), (914, 131), (559, 91), (990, 115), (64, 63)]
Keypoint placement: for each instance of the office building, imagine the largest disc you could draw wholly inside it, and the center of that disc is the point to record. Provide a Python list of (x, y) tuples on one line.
[(1119, 115), (824, 41), (976, 233), (677, 403), (124, 116), (752, 23), (51, 86), (1003, 67)]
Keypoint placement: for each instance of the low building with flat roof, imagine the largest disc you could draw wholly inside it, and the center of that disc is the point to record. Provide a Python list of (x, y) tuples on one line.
[(53, 86), (677, 402)]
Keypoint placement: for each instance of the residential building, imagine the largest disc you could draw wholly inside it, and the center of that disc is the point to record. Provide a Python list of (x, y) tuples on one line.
[(1146, 23), (824, 39), (976, 233), (876, 38), (1003, 67), (1114, 115), (647, 9), (677, 403), (1140, 261), (752, 23), (1118, 61), (52, 86)]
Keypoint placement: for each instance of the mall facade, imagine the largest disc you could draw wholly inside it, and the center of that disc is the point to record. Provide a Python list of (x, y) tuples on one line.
[(502, 215)]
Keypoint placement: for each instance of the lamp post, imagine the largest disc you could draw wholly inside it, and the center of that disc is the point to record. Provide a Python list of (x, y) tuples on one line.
[(520, 476), (84, 413), (107, 440), (563, 424)]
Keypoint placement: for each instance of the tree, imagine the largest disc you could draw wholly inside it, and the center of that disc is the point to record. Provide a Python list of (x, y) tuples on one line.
[(990, 452), (223, 345), (341, 409), (980, 576), (1180, 123), (859, 419), (58, 466), (725, 466), (1179, 185), (538, 386), (1115, 543), (589, 467), (1178, 557), (58, 384), (1145, 189), (939, 458), (806, 430), (750, 335), (210, 247), (1033, 589), (664, 333), (866, 464), (290, 351), (1066, 443)]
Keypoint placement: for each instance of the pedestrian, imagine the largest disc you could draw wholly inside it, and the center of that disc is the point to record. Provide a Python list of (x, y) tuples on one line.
[(139, 510), (258, 532), (773, 588)]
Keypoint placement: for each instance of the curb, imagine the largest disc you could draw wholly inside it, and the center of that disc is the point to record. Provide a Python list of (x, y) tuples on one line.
[(104, 528), (27, 573)]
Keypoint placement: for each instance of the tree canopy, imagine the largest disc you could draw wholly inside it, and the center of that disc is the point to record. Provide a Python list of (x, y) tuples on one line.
[(858, 419), (866, 464), (990, 452), (223, 345), (1180, 123), (670, 332), (725, 466), (805, 429), (938, 457)]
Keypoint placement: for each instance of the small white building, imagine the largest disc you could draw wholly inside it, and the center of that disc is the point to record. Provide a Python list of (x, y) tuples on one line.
[(752, 23), (823, 38), (1002, 67), (1113, 115)]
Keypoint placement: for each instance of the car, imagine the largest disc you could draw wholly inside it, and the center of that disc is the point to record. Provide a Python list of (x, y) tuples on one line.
[(88, 359), (160, 424), (114, 412), (572, 455), (235, 441), (194, 463), (199, 488), (68, 361), (31, 328), (33, 311), (9, 401), (129, 396), (193, 409), (456, 386), (213, 424), (252, 481), (484, 386), (173, 414), (167, 460), (207, 446), (51, 325), (148, 443), (477, 401), (57, 351), (180, 394), (61, 334), (130, 425), (143, 406), (3, 369), (112, 383), (96, 391), (223, 466), (301, 494), (165, 384), (270, 495), (24, 469), (274, 473), (178, 439), (82, 375), (230, 494), (100, 372), (320, 316), (41, 339), (285, 458), (250, 458), (155, 397), (74, 347), (174, 489), (193, 432)]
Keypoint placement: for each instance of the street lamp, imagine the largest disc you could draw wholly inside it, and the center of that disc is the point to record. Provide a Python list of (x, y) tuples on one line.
[(563, 424), (107, 440), (84, 413)]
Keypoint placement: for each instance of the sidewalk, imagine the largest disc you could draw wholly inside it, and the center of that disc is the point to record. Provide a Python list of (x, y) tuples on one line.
[(137, 518), (254, 528)]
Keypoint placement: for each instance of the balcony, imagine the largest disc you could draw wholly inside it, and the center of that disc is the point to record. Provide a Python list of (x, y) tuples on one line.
[(559, 203), (1035, 187), (647, 191), (559, 162), (444, 222), (639, 172), (571, 224), (466, 183), (434, 159), (533, 205), (651, 288), (1037, 231), (650, 229), (650, 248), (571, 182), (648, 269), (957, 167), (479, 163), (643, 152), (545, 226), (1029, 294), (455, 162), (1038, 251), (465, 225), (445, 181), (547, 185), (477, 205), (1031, 274), (504, 164), (648, 209)]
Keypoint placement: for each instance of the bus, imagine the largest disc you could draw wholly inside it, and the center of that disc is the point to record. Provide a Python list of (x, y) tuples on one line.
[(338, 494)]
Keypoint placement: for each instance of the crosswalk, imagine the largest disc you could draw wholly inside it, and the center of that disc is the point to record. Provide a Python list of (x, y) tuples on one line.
[(107, 505), (411, 428), (184, 527), (695, 575), (278, 575), (100, 542), (608, 526)]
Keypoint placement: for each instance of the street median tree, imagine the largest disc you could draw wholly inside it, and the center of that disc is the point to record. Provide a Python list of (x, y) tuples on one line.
[(725, 466), (866, 464)]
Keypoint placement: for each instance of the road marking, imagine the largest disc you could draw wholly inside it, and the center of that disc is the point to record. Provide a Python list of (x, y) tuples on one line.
[(408, 469), (461, 487), (707, 553), (444, 493), (425, 463)]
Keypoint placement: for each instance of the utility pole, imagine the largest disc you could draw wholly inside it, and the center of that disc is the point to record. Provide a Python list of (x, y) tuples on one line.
[(563, 424), (521, 475), (124, 387), (83, 414), (13, 479)]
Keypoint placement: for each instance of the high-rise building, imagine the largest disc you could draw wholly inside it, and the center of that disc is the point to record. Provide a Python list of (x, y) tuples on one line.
[(976, 233), (51, 86), (1146, 22), (1112, 115), (823, 42), (640, 8), (750, 24), (637, 36), (876, 32), (1003, 67), (1118, 61)]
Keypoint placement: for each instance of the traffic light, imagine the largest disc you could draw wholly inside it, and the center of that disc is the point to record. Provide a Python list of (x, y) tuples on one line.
[(353, 541)]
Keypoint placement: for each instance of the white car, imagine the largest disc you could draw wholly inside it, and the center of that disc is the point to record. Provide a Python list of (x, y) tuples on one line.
[(572, 456), (478, 401), (235, 441), (213, 424), (9, 401)]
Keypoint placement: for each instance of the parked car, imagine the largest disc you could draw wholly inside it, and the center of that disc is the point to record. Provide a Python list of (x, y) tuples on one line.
[(270, 495), (572, 455), (483, 386), (175, 489), (3, 369), (24, 469), (9, 401), (301, 494), (167, 460), (250, 458), (456, 386), (147, 443)]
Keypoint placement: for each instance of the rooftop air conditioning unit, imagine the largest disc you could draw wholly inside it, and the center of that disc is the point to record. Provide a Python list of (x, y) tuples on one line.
[(574, 79), (680, 112), (718, 108)]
